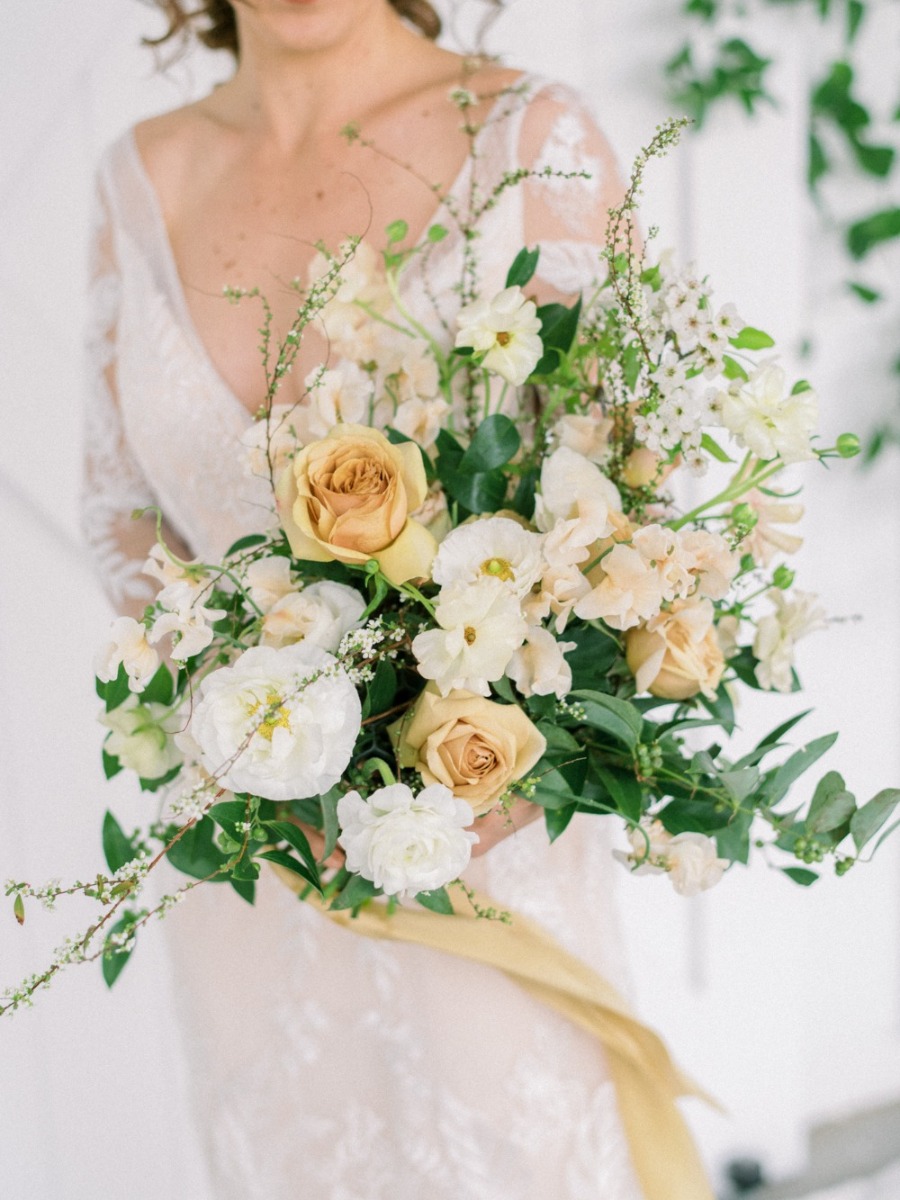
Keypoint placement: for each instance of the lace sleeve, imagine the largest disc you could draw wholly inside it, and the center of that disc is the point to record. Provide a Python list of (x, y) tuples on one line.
[(113, 485), (566, 216)]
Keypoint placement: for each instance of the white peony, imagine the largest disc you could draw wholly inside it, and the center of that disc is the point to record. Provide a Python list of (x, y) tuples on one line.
[(261, 729), (127, 646), (765, 419), (492, 548), (574, 489), (268, 580), (320, 614), (777, 633), (141, 737), (406, 843), (480, 627), (190, 622), (539, 667), (504, 333)]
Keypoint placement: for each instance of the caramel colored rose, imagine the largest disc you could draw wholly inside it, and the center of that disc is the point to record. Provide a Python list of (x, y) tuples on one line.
[(348, 497), (473, 746), (677, 653)]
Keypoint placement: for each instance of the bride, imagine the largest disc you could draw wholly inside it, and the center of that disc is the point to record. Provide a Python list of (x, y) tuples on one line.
[(323, 1063)]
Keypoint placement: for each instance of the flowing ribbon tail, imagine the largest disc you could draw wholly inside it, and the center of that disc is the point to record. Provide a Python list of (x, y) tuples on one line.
[(646, 1080)]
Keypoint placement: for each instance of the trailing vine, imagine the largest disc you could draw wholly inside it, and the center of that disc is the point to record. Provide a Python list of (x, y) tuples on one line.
[(840, 125)]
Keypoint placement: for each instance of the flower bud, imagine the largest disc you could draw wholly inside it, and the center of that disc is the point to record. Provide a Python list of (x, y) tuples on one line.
[(783, 577), (743, 516), (641, 468), (848, 445)]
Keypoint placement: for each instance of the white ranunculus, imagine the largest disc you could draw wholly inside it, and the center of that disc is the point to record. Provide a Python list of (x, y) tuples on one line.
[(320, 614), (127, 646), (573, 488), (767, 420), (268, 580), (480, 627), (777, 633), (693, 863), (504, 333), (260, 729), (406, 843), (492, 548), (141, 737), (184, 617), (539, 667)]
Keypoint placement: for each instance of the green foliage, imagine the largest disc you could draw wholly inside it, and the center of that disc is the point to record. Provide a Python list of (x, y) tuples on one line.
[(615, 717), (117, 846), (738, 72), (871, 231), (832, 101), (523, 267), (114, 958), (438, 901)]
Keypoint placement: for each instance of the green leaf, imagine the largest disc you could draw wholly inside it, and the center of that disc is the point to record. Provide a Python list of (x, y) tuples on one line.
[(740, 783), (330, 828), (866, 822), (111, 765), (595, 652), (623, 789), (523, 499), (559, 326), (779, 782), (153, 785), (296, 838), (863, 292), (245, 888), (551, 790), (616, 717), (733, 370), (396, 232), (483, 493), (436, 233), (244, 543), (113, 963), (523, 267), (722, 708), (856, 10), (117, 848), (558, 739), (694, 814), (831, 806), (117, 690), (557, 820), (396, 438), (800, 875), (196, 854), (818, 164), (880, 227), (245, 870), (282, 859), (874, 160), (382, 689), (496, 441), (356, 892), (733, 839), (780, 730), (752, 339), (438, 901)]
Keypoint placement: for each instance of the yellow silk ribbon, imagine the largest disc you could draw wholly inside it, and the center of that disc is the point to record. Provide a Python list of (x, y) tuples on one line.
[(646, 1080)]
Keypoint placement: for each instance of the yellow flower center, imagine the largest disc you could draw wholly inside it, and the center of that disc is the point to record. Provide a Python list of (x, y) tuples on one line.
[(278, 716), (469, 634), (503, 338), (498, 568)]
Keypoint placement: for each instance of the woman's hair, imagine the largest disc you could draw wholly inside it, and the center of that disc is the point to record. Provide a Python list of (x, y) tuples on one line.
[(214, 24)]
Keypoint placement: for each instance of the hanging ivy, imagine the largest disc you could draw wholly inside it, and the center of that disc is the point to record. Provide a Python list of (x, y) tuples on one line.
[(840, 124)]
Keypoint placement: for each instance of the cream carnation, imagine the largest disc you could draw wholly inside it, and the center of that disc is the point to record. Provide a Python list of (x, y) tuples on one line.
[(128, 647), (504, 333), (406, 843), (280, 724), (492, 548), (320, 614), (480, 627)]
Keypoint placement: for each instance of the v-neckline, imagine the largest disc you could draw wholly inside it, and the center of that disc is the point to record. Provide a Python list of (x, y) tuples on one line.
[(176, 287)]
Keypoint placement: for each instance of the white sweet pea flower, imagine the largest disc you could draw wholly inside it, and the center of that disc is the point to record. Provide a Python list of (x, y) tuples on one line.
[(362, 289), (766, 538), (160, 566), (630, 590), (268, 580), (690, 859), (504, 333), (406, 843), (280, 724), (574, 489), (268, 445), (190, 622), (493, 548), (421, 419), (141, 737), (416, 376), (712, 562), (586, 433), (320, 614), (767, 420), (481, 626), (539, 667), (778, 633), (127, 646), (342, 393)]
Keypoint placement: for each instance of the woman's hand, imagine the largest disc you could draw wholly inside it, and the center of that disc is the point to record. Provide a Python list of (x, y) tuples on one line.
[(499, 823)]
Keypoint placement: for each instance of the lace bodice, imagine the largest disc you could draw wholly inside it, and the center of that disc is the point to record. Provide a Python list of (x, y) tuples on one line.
[(324, 1064)]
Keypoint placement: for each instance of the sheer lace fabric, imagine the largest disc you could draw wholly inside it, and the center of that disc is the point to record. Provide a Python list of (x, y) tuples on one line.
[(323, 1063)]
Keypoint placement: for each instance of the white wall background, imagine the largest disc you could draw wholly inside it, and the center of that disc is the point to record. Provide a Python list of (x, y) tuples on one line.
[(785, 1003)]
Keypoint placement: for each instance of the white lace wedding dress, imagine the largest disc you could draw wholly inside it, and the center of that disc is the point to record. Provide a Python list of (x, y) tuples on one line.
[(324, 1064)]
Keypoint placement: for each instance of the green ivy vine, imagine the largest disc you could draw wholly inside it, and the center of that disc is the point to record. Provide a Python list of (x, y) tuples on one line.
[(840, 124)]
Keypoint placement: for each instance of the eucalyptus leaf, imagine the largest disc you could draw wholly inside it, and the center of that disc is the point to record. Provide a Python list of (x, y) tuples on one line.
[(866, 822), (733, 839), (777, 785), (618, 718), (831, 806)]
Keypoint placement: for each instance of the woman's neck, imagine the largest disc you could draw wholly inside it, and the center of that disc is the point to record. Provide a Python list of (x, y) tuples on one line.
[(287, 94)]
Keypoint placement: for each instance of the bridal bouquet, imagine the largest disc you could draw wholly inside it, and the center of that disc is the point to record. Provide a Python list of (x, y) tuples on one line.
[(479, 586)]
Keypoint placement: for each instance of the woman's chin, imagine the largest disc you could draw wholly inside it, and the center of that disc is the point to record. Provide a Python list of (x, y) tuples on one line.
[(305, 25)]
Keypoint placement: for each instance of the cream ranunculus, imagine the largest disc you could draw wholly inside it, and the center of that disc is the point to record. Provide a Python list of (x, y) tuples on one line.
[(141, 737), (677, 654), (473, 746), (348, 497), (280, 724), (320, 614), (504, 333), (128, 647), (406, 843)]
